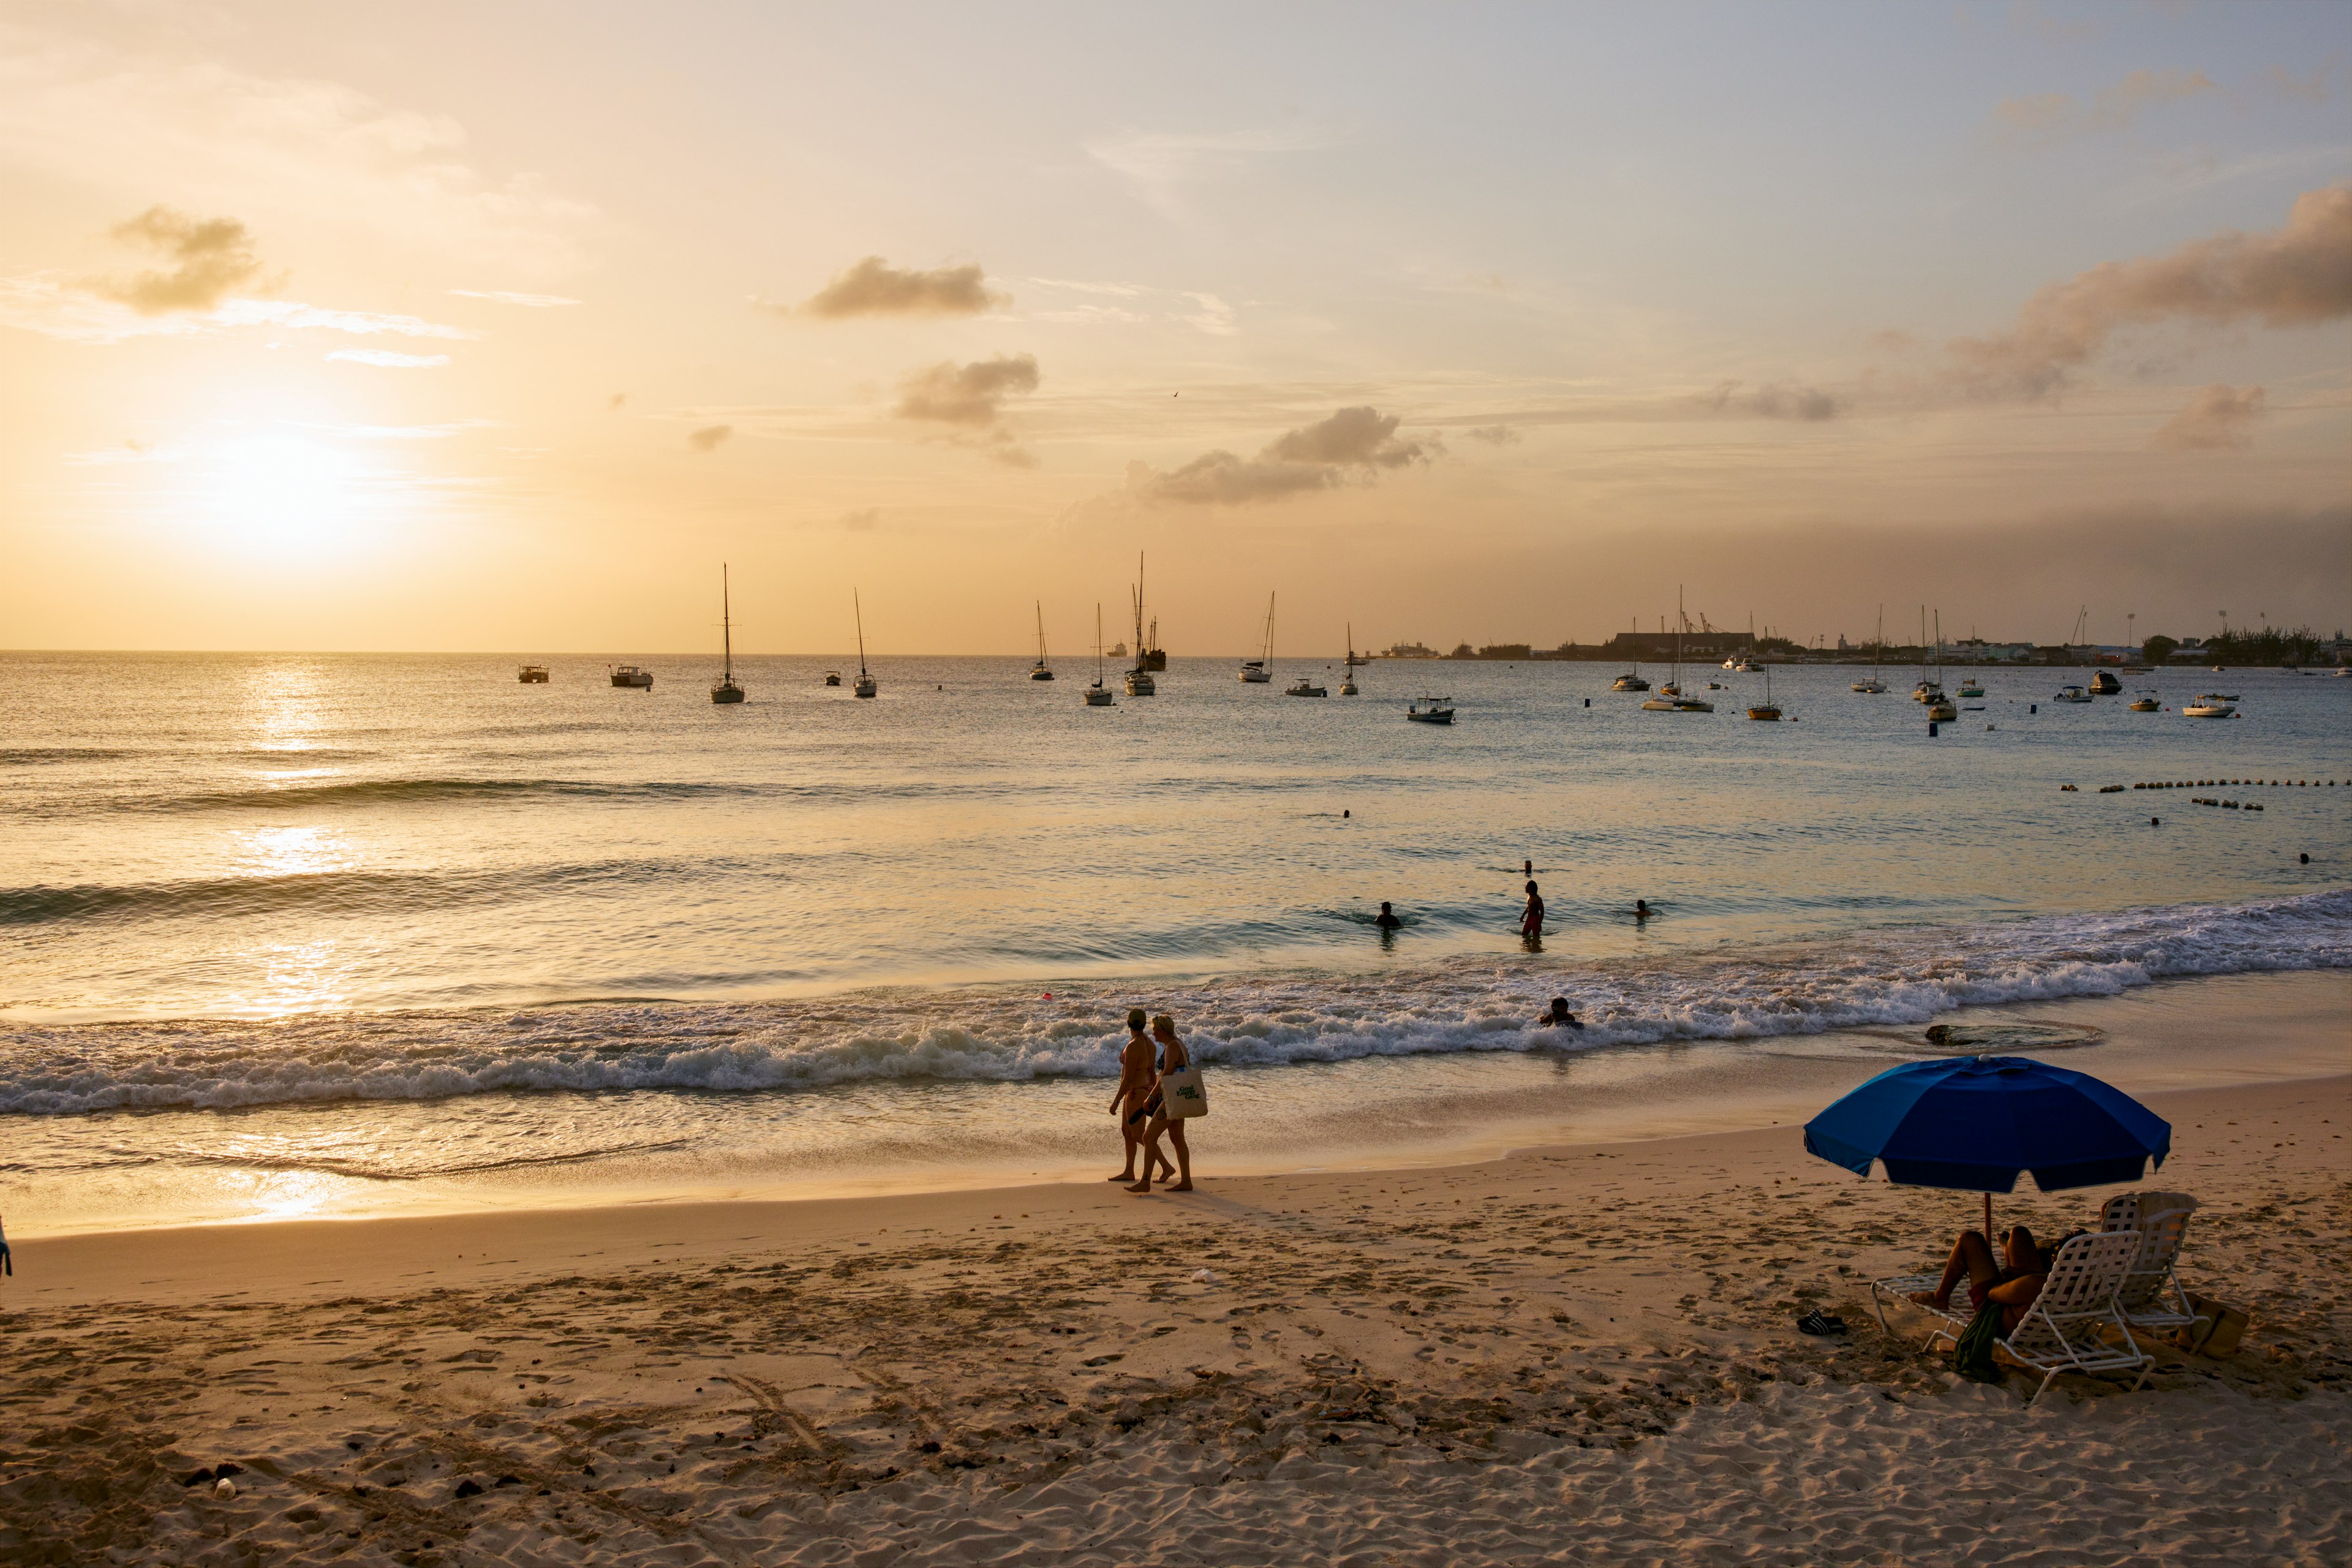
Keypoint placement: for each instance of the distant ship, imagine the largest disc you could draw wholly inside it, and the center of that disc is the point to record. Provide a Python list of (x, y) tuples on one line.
[(532, 675), (633, 676)]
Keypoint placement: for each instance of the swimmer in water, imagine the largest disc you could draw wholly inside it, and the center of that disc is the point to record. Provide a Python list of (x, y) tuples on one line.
[(1531, 919), (1641, 909), (1559, 1017), (1386, 919)]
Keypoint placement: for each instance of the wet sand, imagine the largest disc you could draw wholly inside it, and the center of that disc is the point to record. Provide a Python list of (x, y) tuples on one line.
[(1583, 1352)]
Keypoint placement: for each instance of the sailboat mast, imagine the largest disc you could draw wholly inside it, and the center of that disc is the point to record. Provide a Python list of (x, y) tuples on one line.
[(726, 623), (860, 610)]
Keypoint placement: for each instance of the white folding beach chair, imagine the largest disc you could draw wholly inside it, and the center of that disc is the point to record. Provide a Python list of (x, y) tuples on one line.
[(2150, 1296), (2063, 1329)]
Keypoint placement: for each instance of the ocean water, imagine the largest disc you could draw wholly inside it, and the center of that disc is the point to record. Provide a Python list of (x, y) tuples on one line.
[(279, 932)]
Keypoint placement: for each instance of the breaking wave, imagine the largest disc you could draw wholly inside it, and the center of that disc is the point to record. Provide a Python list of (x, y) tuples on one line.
[(1904, 977)]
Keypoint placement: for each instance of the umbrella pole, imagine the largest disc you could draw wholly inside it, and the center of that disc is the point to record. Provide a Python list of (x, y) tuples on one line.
[(1988, 1230)]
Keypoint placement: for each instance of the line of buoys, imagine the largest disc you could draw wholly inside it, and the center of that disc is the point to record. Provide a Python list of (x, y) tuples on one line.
[(2209, 783)]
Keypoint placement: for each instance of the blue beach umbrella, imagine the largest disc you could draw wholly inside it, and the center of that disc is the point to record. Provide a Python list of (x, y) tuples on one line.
[(1975, 1123)]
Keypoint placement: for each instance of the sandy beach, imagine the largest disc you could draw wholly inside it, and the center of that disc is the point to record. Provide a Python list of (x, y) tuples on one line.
[(1582, 1352)]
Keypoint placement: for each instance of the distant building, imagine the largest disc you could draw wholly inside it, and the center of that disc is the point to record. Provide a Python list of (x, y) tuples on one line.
[(1506, 650), (1655, 646), (1409, 650)]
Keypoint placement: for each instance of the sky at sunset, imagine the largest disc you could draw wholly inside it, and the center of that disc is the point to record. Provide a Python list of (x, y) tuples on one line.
[(446, 327)]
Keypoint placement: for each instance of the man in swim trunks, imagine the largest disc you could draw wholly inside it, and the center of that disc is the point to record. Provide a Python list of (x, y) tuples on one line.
[(1130, 1102)]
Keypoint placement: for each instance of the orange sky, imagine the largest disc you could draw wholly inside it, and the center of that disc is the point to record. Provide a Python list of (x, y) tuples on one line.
[(434, 327)]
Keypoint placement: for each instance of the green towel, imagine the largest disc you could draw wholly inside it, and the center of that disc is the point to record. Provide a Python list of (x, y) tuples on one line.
[(1972, 1355)]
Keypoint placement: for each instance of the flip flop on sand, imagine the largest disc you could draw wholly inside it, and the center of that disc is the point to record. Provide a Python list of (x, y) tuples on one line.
[(1820, 1323)]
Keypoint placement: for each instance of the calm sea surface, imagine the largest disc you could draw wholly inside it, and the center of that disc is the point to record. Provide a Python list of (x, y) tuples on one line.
[(275, 930)]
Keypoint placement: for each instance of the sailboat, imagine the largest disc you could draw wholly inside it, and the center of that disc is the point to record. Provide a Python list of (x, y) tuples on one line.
[(1138, 680), (1631, 681), (865, 687), (1928, 692), (1768, 708), (1098, 695), (726, 691), (1257, 671), (1041, 670), (1874, 687), (1148, 654), (1347, 669), (1670, 698), (1940, 708)]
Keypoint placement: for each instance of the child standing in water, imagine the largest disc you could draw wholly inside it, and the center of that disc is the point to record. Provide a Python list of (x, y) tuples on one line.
[(1531, 922)]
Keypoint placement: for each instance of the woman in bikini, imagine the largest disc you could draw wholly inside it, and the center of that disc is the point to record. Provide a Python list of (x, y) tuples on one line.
[(2014, 1279), (1173, 1058), (1131, 1101)]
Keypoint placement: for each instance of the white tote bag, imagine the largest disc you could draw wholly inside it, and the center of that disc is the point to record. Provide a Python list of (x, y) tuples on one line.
[(1182, 1094)]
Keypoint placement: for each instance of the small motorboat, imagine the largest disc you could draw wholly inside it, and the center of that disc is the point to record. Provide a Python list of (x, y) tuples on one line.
[(2146, 703), (1139, 682), (532, 675), (1972, 687), (1942, 710), (1662, 704), (634, 677), (1430, 711), (2105, 684), (2071, 694), (1304, 687), (1629, 681), (833, 677), (2212, 705)]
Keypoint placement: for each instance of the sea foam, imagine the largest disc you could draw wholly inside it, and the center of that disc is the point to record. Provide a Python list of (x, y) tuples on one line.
[(1901, 977)]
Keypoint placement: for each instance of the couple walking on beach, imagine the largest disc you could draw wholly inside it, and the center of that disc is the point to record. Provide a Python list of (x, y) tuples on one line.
[(1152, 1068)]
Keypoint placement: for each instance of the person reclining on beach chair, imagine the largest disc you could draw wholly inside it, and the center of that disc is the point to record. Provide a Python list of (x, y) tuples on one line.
[(2014, 1279)]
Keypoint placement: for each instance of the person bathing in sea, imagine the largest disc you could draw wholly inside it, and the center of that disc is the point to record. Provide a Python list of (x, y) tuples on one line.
[(1559, 1016), (1386, 919), (1531, 919), (1173, 1059), (1128, 1101), (1642, 910)]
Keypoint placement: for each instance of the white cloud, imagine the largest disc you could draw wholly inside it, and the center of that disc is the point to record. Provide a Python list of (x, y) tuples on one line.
[(507, 297), (1140, 303), (39, 304), (386, 359), (1158, 165)]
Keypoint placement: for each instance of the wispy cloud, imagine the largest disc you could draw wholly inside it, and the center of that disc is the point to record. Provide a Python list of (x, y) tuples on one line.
[(41, 304), (871, 286), (710, 438), (969, 398), (1353, 443), (2295, 274), (385, 359), (1159, 166), (2220, 419), (862, 521), (1136, 304), (507, 297), (129, 452), (2050, 116)]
